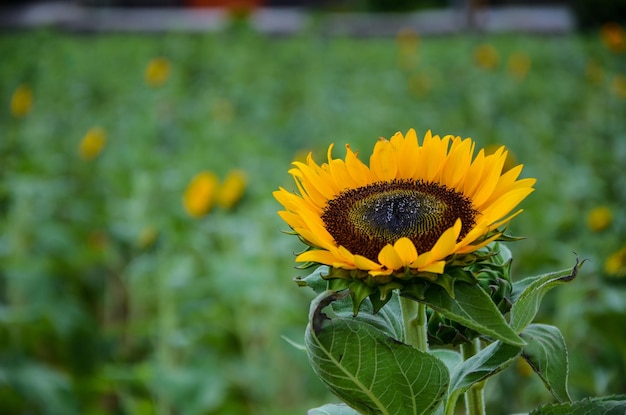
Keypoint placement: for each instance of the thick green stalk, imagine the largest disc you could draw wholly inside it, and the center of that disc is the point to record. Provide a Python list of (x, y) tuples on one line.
[(415, 323), (474, 397)]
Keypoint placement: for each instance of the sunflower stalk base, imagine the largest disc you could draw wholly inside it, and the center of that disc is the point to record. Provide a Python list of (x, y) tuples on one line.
[(474, 397), (415, 323)]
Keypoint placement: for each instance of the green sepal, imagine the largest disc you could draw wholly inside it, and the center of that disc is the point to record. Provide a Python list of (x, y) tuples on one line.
[(385, 290), (466, 260), (415, 290), (378, 302), (358, 293), (446, 281), (338, 284), (510, 238), (315, 280), (379, 299)]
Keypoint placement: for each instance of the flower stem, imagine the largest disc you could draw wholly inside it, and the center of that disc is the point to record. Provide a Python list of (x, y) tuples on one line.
[(415, 323), (474, 397)]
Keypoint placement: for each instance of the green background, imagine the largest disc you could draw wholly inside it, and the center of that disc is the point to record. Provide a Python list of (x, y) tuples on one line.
[(93, 321)]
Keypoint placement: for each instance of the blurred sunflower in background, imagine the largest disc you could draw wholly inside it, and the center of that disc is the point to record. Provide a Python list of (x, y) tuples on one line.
[(599, 218), (21, 101), (414, 209), (232, 189), (615, 265), (199, 196), (157, 71), (93, 143)]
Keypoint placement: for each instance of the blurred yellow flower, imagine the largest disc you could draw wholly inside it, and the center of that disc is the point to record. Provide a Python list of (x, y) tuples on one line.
[(223, 110), (97, 240), (92, 143), (523, 367), (157, 71), (618, 86), (199, 196), (420, 84), (594, 72), (233, 188), (613, 36), (599, 218), (147, 237), (615, 265), (518, 65), (408, 41), (486, 56), (21, 101)]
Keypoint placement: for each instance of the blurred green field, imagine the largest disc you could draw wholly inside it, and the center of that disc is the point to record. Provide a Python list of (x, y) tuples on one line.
[(113, 300)]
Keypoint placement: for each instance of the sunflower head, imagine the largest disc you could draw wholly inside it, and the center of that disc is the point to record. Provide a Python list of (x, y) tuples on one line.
[(411, 216)]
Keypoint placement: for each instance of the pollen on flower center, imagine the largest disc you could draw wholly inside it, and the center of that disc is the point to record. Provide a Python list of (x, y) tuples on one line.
[(367, 218)]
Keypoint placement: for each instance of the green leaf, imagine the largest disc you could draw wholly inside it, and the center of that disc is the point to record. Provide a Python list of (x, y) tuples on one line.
[(450, 358), (528, 293), (314, 280), (332, 409), (487, 362), (608, 405), (473, 308), (547, 355), (368, 369)]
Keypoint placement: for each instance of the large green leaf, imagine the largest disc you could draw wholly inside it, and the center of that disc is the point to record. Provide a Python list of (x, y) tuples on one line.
[(333, 409), (369, 370), (487, 362), (547, 354), (608, 405), (528, 293), (473, 308)]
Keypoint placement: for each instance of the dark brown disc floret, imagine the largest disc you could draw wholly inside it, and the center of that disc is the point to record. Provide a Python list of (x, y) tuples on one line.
[(367, 218)]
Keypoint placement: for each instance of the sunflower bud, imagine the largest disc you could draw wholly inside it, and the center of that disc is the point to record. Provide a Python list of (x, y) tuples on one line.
[(493, 274)]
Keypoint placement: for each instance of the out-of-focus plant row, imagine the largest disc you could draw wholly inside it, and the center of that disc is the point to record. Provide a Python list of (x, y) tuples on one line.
[(141, 264)]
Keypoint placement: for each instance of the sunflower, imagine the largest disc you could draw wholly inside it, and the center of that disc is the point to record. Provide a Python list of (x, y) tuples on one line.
[(414, 209)]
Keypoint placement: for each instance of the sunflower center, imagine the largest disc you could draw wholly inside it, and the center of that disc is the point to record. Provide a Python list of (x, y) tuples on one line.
[(367, 218)]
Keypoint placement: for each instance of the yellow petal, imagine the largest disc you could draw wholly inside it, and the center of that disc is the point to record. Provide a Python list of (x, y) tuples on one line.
[(446, 242), (389, 258), (365, 263), (360, 173), (501, 207), (474, 174), (291, 219), (383, 161), (474, 247), (435, 267), (315, 177), (407, 155), (458, 162), (319, 256), (495, 162), (405, 250), (436, 149)]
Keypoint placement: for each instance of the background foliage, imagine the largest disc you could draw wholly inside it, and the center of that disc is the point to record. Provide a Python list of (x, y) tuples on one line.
[(113, 300)]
